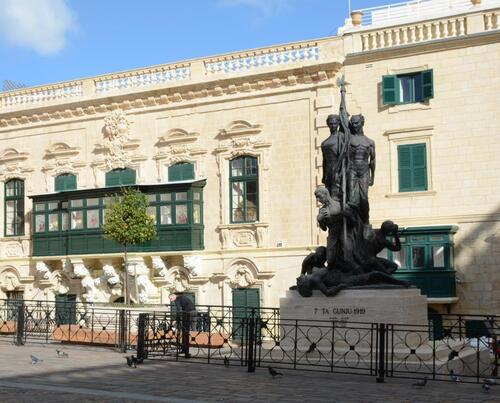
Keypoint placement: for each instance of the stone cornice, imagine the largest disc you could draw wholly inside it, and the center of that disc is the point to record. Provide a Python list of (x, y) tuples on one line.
[(141, 98)]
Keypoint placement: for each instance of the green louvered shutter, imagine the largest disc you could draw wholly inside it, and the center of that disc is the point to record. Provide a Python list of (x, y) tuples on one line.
[(65, 182), (427, 85), (120, 177), (412, 167), (419, 165), (404, 168), (112, 178), (180, 172), (127, 177), (390, 90)]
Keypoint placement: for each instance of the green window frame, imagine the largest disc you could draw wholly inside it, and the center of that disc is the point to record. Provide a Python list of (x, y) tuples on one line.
[(14, 207), (244, 189), (181, 171), (412, 167), (120, 177), (73, 215), (65, 182), (176, 207), (425, 248), (408, 88)]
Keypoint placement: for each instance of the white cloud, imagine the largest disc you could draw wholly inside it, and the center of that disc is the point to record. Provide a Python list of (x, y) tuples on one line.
[(41, 25), (267, 7)]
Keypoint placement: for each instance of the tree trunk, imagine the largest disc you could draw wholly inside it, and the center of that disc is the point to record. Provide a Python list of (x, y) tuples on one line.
[(125, 288)]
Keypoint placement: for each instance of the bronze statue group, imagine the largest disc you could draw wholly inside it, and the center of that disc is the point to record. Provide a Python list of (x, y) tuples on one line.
[(350, 256)]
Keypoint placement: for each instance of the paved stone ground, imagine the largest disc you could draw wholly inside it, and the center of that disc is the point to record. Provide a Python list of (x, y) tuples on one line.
[(92, 374)]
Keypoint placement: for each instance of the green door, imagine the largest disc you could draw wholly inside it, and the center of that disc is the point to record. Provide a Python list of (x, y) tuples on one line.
[(244, 299), (65, 309), (14, 300)]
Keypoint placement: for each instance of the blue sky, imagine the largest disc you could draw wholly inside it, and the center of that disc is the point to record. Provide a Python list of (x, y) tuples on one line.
[(45, 41)]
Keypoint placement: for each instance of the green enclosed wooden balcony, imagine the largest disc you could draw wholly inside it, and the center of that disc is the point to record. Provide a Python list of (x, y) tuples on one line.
[(426, 260), (70, 222)]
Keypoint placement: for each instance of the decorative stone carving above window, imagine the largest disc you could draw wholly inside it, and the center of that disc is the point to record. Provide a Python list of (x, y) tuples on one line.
[(13, 164), (244, 273), (178, 279), (118, 150), (242, 277), (177, 145), (240, 128), (9, 279), (60, 159), (247, 235)]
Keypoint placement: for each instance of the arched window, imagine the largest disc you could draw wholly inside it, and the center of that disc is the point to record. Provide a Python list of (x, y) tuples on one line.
[(181, 172), (243, 180), (14, 207), (65, 182), (120, 177)]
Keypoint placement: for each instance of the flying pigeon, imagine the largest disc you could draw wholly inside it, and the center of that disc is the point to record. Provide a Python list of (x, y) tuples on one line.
[(35, 360), (311, 348)]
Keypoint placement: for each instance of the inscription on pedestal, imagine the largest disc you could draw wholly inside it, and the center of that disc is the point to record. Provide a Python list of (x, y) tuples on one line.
[(341, 313)]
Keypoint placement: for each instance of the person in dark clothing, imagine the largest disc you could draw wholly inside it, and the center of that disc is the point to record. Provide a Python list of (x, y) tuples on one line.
[(185, 318)]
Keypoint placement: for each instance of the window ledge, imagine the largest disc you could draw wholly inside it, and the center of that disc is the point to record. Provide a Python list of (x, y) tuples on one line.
[(243, 225), (408, 107), (411, 194), (447, 301)]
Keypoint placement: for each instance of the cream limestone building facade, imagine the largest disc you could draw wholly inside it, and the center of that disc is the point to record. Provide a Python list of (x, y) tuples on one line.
[(228, 150)]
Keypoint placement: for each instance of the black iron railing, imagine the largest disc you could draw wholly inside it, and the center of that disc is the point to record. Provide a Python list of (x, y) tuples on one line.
[(462, 347)]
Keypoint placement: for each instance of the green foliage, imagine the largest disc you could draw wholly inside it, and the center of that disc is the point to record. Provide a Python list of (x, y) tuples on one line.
[(127, 221)]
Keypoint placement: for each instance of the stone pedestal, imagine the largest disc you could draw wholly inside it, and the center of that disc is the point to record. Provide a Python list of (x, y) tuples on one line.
[(372, 305), (349, 320)]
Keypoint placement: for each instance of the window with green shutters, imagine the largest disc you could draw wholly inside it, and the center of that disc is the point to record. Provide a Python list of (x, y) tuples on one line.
[(244, 191), (181, 172), (412, 167), (120, 177), (14, 207), (65, 182), (407, 88)]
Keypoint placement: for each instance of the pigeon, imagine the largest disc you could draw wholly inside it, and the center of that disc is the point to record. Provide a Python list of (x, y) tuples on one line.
[(486, 388), (226, 361), (452, 355), (421, 382), (136, 360), (61, 354), (311, 348), (454, 377), (130, 363), (490, 382), (35, 360), (273, 372)]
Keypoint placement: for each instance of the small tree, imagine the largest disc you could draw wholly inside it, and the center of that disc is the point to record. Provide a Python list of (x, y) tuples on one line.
[(128, 223)]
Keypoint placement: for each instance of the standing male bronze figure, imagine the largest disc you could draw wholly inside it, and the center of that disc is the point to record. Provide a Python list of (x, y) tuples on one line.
[(361, 168)]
